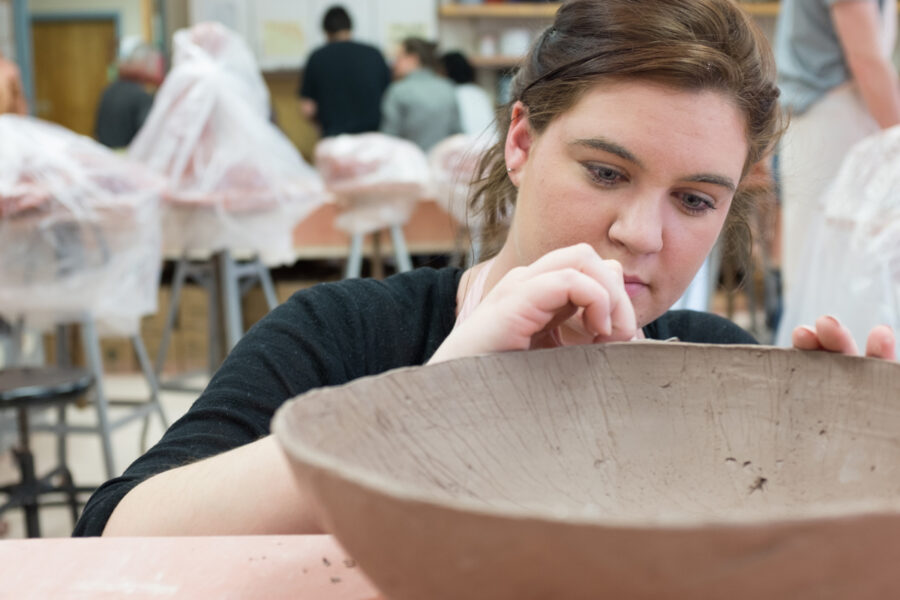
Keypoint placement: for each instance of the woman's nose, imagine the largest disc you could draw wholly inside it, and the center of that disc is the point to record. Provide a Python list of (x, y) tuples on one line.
[(638, 226)]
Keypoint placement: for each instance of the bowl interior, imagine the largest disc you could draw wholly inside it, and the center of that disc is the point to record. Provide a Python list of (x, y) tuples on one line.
[(632, 433)]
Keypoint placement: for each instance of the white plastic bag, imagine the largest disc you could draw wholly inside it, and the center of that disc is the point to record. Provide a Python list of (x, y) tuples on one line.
[(235, 181), (376, 179), (79, 229), (851, 268), (454, 164)]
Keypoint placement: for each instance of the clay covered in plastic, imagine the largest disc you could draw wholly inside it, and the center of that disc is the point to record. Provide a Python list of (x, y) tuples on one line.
[(235, 181), (375, 178), (79, 229), (851, 268)]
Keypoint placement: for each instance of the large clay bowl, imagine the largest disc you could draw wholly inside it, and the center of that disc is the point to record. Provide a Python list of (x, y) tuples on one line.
[(643, 470)]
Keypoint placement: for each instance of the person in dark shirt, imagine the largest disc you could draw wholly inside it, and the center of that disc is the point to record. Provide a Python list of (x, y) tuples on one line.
[(624, 155), (344, 80), (126, 102)]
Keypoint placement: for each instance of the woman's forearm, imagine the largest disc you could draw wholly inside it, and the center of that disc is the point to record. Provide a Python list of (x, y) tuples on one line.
[(248, 490)]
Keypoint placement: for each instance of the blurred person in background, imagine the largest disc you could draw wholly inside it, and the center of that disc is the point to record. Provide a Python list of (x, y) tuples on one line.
[(126, 101), (344, 81), (476, 110), (420, 105), (838, 84), (12, 95)]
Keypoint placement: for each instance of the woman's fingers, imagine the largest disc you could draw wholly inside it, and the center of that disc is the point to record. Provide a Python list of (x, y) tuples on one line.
[(834, 337), (526, 306), (541, 298), (613, 319), (882, 343), (831, 336), (805, 338)]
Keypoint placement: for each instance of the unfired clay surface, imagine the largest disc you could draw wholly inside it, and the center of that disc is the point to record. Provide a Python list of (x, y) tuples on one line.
[(640, 470)]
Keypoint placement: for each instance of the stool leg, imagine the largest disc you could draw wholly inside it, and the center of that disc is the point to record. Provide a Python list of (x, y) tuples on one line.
[(95, 364), (231, 300), (62, 460), (210, 282), (172, 314), (265, 280), (376, 260), (404, 262), (354, 259), (143, 360), (29, 485), (68, 484)]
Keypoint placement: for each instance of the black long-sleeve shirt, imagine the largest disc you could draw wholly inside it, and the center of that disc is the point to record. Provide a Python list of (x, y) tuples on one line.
[(328, 335)]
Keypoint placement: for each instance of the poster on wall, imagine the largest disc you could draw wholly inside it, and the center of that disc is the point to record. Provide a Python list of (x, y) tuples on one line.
[(234, 14)]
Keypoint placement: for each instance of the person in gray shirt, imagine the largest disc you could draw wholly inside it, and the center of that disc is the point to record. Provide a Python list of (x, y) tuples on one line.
[(420, 105)]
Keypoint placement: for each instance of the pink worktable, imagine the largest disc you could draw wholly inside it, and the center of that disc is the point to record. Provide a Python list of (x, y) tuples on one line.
[(301, 567)]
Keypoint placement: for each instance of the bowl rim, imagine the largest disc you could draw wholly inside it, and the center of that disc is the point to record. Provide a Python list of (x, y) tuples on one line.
[(673, 520)]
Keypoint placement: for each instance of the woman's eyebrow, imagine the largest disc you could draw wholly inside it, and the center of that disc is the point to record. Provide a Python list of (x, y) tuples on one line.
[(721, 180), (608, 146)]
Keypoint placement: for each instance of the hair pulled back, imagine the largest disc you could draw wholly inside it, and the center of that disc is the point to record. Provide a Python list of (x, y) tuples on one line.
[(694, 45)]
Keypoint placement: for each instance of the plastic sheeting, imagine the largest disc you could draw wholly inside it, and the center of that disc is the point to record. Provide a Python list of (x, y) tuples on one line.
[(79, 229), (851, 267), (235, 182), (454, 164), (376, 179)]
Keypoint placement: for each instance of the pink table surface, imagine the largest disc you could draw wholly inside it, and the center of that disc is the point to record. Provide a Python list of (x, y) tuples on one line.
[(311, 567)]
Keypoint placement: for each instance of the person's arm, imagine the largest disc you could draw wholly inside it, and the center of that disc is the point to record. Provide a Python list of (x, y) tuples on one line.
[(391, 112), (857, 24), (248, 490), (216, 470)]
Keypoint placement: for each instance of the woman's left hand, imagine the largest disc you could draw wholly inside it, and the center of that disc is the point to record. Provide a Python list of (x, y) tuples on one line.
[(829, 335)]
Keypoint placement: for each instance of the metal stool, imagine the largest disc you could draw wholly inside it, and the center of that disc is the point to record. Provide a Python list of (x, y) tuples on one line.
[(355, 257), (226, 281), (25, 388)]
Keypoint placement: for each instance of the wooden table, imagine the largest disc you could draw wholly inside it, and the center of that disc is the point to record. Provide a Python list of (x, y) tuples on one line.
[(303, 567), (430, 230)]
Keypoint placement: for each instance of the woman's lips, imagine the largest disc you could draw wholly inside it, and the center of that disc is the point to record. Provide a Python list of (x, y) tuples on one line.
[(634, 286)]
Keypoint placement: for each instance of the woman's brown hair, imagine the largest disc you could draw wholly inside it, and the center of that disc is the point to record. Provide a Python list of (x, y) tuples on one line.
[(690, 45)]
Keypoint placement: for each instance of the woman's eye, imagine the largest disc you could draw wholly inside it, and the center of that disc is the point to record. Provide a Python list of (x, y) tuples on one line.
[(697, 204), (605, 175)]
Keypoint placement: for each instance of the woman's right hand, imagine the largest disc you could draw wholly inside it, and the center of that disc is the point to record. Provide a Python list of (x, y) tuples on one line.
[(526, 306)]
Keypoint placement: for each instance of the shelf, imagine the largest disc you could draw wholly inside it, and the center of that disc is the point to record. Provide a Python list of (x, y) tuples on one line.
[(495, 62), (528, 10), (761, 9), (546, 10)]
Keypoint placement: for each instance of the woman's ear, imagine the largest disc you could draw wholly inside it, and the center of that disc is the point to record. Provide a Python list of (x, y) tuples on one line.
[(518, 142)]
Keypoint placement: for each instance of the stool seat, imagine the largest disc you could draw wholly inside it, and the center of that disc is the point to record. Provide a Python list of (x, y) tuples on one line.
[(41, 385), (24, 388)]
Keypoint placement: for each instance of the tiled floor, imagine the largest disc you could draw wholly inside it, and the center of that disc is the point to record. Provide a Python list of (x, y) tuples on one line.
[(85, 455)]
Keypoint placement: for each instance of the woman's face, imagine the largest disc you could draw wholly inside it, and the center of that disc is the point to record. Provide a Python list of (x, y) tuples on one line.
[(642, 172)]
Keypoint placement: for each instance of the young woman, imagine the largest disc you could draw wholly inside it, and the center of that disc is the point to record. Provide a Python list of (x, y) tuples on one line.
[(623, 152)]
